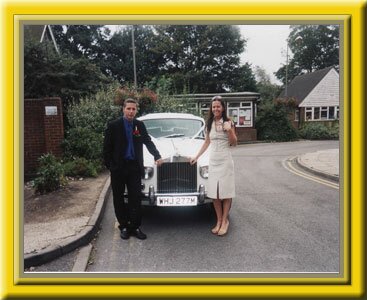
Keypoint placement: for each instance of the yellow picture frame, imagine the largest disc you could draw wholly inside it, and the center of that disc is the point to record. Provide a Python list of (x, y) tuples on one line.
[(350, 14)]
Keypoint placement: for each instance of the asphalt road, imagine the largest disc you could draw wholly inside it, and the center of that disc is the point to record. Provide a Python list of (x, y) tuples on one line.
[(279, 222)]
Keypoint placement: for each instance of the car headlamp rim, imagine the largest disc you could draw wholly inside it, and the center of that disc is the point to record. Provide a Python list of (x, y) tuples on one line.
[(148, 172), (204, 172)]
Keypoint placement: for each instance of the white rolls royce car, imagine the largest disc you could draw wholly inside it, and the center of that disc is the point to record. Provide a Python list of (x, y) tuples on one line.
[(178, 137)]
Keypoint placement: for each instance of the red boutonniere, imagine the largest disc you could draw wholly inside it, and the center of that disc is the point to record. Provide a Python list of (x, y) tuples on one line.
[(136, 132)]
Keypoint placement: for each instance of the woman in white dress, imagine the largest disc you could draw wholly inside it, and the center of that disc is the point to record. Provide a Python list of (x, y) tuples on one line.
[(220, 134)]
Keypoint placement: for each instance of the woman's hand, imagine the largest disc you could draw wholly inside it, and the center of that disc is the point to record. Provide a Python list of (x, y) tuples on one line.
[(193, 160), (226, 126)]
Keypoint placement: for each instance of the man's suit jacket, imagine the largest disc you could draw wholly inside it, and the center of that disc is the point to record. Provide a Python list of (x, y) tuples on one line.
[(115, 144)]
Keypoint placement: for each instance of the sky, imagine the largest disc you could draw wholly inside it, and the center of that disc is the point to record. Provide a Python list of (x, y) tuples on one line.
[(266, 47)]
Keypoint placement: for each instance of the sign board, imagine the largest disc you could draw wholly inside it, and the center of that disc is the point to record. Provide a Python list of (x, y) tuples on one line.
[(51, 110)]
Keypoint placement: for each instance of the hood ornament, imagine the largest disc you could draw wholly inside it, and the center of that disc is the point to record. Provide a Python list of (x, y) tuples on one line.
[(174, 147), (175, 155)]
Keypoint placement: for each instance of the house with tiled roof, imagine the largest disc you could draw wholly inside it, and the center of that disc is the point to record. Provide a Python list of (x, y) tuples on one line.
[(316, 96)]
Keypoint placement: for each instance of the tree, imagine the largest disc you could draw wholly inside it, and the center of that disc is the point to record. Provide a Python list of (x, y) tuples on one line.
[(293, 71), (82, 40), (267, 90), (48, 74), (166, 102), (198, 58), (272, 123), (243, 79), (314, 47), (118, 56), (202, 58)]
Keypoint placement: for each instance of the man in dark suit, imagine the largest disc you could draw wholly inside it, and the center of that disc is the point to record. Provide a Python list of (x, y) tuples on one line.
[(123, 156)]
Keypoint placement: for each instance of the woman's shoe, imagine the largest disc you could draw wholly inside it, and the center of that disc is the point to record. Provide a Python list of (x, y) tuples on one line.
[(215, 230), (223, 229)]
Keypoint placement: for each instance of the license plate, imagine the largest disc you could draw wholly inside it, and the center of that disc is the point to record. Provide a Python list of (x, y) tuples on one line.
[(177, 201)]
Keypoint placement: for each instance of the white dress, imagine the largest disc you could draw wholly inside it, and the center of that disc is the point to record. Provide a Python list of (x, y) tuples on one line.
[(221, 168)]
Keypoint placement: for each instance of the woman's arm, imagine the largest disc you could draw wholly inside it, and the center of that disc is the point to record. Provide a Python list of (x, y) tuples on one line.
[(232, 138), (203, 148), (229, 128)]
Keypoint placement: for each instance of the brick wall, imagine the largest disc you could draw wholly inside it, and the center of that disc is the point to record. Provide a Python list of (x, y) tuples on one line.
[(43, 133), (245, 134)]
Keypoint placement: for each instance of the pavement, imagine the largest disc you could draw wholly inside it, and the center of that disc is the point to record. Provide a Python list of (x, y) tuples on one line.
[(324, 164), (64, 236)]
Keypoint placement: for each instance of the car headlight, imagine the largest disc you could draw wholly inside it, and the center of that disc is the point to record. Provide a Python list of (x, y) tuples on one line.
[(148, 172), (204, 171)]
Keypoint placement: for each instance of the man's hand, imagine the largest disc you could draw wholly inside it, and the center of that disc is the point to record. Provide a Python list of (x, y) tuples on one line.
[(158, 162)]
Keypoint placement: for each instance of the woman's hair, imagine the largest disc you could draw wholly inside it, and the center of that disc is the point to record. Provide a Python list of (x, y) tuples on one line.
[(211, 115)]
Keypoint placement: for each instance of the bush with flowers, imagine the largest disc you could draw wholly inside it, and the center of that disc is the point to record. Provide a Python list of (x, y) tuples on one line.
[(123, 93), (144, 96)]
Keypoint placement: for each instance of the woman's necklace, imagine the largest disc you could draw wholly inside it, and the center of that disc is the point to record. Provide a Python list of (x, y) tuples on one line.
[(218, 125)]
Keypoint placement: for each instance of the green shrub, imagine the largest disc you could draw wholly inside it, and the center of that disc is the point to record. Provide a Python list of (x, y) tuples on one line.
[(81, 167), (87, 121), (272, 124), (318, 131), (94, 112), (334, 131), (50, 175), (83, 142)]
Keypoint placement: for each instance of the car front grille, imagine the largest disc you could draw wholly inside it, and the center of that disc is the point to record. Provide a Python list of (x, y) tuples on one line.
[(177, 177)]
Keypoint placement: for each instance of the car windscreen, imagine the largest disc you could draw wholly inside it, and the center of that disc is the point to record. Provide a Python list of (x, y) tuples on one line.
[(171, 128)]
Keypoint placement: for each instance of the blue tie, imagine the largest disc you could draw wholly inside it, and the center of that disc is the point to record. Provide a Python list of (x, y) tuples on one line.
[(129, 155)]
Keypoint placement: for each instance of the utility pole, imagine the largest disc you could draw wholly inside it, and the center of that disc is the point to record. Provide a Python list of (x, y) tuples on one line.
[(134, 62), (298, 40), (286, 71)]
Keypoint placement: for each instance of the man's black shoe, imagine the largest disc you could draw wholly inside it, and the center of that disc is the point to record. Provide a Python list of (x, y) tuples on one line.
[(139, 234), (124, 234)]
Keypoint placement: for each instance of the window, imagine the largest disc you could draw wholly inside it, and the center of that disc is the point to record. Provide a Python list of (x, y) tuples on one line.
[(192, 108), (308, 113), (241, 113), (204, 110), (316, 113), (296, 114), (173, 127), (322, 113)]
